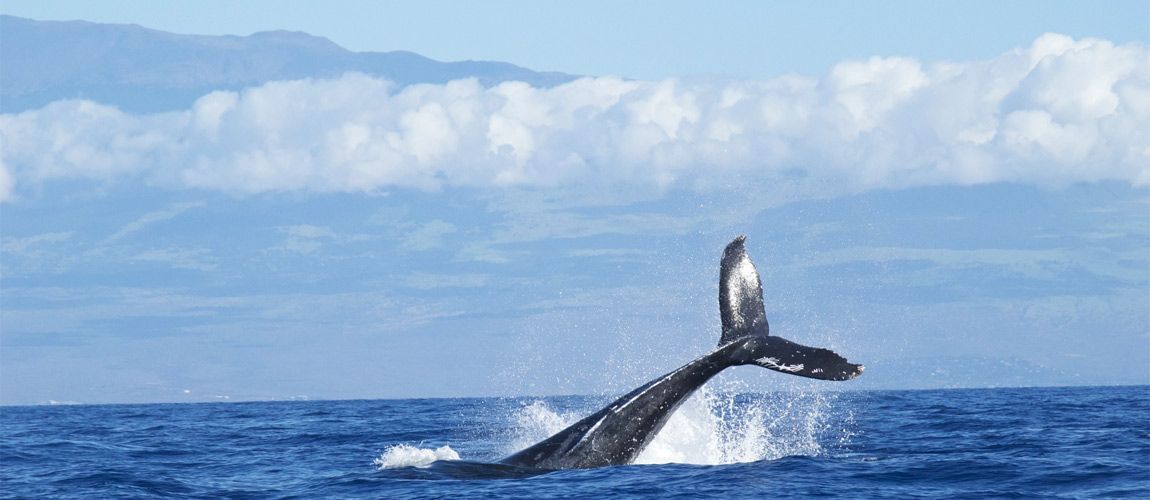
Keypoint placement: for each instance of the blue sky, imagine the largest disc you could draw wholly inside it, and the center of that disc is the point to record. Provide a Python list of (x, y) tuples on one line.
[(954, 194), (647, 40)]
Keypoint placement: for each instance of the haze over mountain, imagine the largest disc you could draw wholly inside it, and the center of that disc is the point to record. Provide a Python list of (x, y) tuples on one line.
[(144, 70)]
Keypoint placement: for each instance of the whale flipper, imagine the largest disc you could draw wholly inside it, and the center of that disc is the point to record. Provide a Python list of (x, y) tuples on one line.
[(616, 434)]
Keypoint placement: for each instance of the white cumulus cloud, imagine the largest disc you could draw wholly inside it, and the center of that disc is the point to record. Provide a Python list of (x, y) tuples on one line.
[(1059, 111)]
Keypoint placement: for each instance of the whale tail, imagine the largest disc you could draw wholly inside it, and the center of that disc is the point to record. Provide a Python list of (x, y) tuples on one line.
[(745, 320)]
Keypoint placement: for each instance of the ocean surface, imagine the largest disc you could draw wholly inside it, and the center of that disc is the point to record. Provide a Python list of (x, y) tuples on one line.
[(1034, 442)]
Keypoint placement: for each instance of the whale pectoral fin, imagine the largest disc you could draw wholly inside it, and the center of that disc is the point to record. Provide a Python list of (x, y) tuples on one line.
[(813, 362)]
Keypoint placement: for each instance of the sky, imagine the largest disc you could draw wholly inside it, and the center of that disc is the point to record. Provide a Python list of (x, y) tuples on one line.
[(952, 197), (637, 39)]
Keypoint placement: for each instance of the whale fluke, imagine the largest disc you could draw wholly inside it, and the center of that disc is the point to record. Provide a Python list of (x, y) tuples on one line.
[(740, 295), (616, 434), (745, 317)]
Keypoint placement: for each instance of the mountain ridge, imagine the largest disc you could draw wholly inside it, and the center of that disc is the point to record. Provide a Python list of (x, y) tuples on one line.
[(140, 69)]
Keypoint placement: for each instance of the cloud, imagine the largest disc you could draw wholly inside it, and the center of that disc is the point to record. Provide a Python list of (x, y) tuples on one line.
[(305, 239), (7, 184), (36, 252), (308, 239), (27, 244), (428, 236), (433, 281), (171, 212), (1059, 111), (196, 259), (483, 252)]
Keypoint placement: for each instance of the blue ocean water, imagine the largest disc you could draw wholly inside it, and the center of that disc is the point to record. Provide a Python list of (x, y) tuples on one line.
[(1032, 442)]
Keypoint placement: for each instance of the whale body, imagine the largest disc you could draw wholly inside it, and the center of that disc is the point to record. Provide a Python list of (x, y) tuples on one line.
[(616, 434)]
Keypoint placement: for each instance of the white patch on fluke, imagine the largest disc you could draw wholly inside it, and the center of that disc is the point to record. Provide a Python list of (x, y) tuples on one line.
[(747, 270), (742, 284), (770, 362)]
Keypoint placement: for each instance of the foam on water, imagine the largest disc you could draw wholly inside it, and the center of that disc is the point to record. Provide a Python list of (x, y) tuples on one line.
[(405, 455), (712, 428)]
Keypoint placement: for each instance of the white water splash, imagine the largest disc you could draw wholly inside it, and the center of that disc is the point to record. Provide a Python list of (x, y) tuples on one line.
[(535, 422), (405, 455), (712, 428)]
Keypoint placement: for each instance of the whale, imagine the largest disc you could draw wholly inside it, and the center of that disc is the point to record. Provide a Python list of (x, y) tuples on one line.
[(619, 432)]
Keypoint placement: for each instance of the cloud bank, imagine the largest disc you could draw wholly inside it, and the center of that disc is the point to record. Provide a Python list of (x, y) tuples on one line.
[(1057, 112)]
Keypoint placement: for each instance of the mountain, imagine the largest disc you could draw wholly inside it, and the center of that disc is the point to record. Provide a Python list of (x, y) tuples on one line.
[(144, 70)]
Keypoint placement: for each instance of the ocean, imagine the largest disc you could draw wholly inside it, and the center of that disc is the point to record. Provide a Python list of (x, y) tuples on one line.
[(1080, 442)]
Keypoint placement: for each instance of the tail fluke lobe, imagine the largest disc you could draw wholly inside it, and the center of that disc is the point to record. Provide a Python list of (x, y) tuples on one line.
[(782, 355), (740, 295), (745, 321)]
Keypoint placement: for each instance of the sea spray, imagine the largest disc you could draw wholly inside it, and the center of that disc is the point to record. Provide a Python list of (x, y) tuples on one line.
[(405, 455), (714, 426), (535, 421), (718, 427), (719, 424), (690, 436)]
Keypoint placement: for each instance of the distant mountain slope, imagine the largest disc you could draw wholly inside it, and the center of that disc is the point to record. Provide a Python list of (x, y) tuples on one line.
[(145, 70)]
